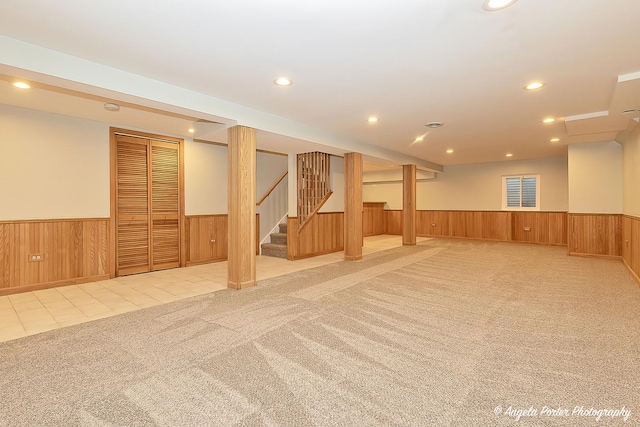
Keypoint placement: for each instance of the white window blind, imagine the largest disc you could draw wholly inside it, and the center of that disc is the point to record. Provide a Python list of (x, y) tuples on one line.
[(521, 192)]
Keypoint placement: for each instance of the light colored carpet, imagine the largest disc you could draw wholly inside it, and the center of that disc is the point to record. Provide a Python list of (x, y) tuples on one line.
[(440, 334)]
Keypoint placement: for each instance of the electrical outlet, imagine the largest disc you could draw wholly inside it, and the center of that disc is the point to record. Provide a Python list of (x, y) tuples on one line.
[(36, 257)]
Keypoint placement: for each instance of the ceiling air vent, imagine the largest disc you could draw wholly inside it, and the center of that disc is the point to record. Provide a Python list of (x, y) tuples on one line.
[(434, 124)]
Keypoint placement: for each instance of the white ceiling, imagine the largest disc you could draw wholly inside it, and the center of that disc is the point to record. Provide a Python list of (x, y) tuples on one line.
[(409, 63)]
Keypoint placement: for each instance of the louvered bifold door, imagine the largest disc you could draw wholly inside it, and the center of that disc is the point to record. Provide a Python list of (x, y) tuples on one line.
[(165, 205), (132, 198)]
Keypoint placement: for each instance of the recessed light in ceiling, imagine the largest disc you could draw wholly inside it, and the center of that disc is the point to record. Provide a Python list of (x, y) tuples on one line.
[(509, 155), (549, 120), (434, 124), (21, 85), (283, 81), (534, 85), (372, 119), (420, 138), (449, 151), (554, 139), (192, 130), (492, 5), (111, 107)]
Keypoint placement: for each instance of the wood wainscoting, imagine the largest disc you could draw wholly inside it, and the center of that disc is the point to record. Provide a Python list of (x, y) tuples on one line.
[(323, 234), (631, 245), (595, 235), (548, 228), (373, 218), (71, 251), (469, 224), (206, 238), (505, 226)]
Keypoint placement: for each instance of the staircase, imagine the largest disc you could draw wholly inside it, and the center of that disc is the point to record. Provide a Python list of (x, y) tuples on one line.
[(278, 246)]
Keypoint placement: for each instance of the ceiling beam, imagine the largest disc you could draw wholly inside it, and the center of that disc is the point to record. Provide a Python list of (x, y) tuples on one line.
[(51, 67)]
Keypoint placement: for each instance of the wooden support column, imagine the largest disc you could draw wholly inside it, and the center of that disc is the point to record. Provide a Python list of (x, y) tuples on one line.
[(352, 206), (242, 207), (409, 205)]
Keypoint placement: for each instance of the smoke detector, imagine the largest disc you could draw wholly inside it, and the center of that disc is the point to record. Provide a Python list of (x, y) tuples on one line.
[(111, 107)]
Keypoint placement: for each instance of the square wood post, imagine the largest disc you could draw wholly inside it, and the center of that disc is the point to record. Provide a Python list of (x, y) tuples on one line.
[(242, 207), (409, 205), (352, 206)]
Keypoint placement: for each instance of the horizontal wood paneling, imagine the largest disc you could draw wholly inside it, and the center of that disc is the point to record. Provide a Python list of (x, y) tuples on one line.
[(206, 238), (372, 218), (595, 234), (323, 234), (72, 251)]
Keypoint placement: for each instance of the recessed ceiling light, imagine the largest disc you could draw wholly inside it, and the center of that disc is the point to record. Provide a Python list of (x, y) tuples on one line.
[(554, 139), (549, 120), (509, 155), (434, 124), (449, 151), (111, 107), (192, 130), (283, 81), (492, 5), (21, 85), (534, 85), (372, 119), (420, 138)]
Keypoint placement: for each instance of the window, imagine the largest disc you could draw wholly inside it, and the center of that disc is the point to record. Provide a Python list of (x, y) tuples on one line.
[(521, 192)]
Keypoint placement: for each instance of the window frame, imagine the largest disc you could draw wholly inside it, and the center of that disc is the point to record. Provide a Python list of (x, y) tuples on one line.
[(520, 208)]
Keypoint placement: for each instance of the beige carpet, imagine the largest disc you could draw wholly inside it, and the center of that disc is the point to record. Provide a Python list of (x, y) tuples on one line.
[(447, 333)]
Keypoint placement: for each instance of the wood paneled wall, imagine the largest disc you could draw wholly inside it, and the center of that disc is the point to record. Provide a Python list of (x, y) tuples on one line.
[(543, 227), (392, 222), (70, 250), (595, 234), (373, 218), (206, 238), (469, 224), (631, 245), (322, 235)]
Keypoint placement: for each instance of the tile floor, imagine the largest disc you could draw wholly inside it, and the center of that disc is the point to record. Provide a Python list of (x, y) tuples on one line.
[(39, 311)]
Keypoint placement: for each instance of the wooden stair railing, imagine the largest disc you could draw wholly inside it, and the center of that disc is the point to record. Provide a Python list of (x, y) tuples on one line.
[(314, 181), (273, 187), (315, 211)]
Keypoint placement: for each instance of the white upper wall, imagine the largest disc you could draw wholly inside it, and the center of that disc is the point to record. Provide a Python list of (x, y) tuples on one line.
[(595, 178), (478, 186), (205, 178), (52, 166), (631, 172), (269, 168)]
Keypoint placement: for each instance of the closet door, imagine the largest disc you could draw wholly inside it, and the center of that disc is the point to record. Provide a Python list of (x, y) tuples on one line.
[(132, 205), (165, 205)]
